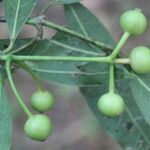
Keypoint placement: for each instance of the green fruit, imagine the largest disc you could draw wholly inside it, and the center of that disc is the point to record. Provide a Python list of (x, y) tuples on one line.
[(38, 127), (42, 101), (133, 22), (111, 104), (140, 59)]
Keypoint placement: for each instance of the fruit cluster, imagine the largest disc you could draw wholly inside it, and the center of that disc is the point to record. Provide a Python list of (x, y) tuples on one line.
[(133, 22), (38, 127)]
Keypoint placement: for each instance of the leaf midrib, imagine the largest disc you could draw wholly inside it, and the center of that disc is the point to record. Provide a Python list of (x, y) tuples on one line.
[(74, 48), (137, 126), (67, 72), (78, 21), (142, 83), (15, 21)]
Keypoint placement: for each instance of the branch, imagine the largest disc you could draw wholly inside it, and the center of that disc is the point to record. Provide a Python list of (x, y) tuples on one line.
[(40, 20)]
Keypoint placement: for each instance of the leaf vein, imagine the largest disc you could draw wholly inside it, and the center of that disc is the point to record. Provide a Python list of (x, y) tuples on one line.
[(78, 21), (16, 17), (142, 83), (74, 48), (67, 72), (137, 126)]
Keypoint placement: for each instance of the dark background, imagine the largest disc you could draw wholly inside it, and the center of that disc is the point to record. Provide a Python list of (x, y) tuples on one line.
[(74, 125)]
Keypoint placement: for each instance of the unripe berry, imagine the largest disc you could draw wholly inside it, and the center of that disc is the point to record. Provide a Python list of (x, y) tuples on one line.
[(42, 101), (38, 127), (111, 104), (133, 22), (140, 59)]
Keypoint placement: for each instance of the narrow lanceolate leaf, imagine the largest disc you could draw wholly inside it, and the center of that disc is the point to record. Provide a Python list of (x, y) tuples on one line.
[(5, 120), (17, 12), (140, 86), (64, 45), (66, 1)]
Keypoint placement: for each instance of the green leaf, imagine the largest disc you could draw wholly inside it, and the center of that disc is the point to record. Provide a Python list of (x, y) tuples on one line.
[(132, 123), (4, 43), (83, 21), (5, 120), (67, 72), (140, 85), (65, 45), (66, 1), (135, 116), (17, 12), (137, 136), (129, 129)]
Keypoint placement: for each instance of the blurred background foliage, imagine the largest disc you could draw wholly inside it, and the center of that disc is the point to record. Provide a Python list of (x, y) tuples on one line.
[(74, 125)]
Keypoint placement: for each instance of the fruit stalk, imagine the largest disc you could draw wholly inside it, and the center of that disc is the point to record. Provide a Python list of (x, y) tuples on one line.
[(111, 79), (19, 99), (120, 45)]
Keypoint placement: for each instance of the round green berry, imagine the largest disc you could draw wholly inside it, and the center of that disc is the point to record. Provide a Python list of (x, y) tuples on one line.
[(111, 104), (42, 101), (133, 22), (38, 127), (140, 60)]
